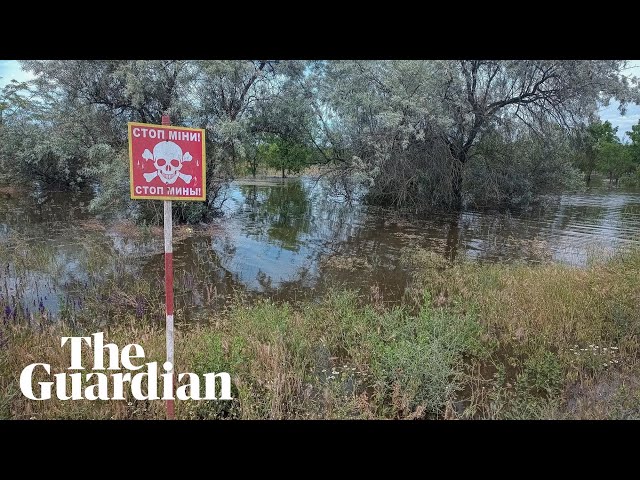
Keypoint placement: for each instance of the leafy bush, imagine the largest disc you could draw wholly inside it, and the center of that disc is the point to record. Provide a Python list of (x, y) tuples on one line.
[(421, 358), (516, 173)]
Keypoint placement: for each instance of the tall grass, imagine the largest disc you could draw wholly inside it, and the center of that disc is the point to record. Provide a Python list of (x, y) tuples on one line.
[(335, 359), (559, 333), (470, 341)]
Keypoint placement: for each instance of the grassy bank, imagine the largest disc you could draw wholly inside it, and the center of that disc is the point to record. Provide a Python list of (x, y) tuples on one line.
[(469, 341)]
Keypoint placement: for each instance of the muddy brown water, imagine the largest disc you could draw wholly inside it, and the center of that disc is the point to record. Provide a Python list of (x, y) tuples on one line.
[(293, 239)]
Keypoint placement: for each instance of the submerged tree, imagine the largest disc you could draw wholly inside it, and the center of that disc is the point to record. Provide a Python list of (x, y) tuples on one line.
[(89, 102), (513, 170), (34, 145), (412, 128), (421, 134)]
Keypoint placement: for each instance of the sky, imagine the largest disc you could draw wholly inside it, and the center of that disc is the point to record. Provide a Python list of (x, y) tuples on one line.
[(10, 69), (632, 114)]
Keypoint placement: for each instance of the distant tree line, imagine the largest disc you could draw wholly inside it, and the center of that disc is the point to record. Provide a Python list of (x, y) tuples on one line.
[(416, 134), (601, 151)]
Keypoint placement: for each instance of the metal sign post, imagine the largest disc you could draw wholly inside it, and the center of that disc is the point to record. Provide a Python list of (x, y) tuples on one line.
[(168, 286), (161, 167)]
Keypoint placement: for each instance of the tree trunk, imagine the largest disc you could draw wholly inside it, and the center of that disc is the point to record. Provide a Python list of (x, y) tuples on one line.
[(458, 160), (456, 183), (588, 177), (283, 171)]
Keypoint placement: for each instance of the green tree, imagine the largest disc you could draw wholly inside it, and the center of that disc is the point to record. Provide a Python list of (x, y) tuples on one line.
[(85, 105), (284, 155), (513, 172), (35, 143), (615, 160), (589, 142), (634, 135), (415, 133), (410, 129)]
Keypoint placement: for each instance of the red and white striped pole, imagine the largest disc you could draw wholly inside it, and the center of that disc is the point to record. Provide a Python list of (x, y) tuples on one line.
[(168, 286)]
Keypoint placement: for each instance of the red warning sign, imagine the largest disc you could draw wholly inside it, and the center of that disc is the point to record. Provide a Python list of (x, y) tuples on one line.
[(166, 162)]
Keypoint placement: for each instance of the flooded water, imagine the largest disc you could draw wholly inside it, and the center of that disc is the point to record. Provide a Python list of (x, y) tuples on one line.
[(291, 239)]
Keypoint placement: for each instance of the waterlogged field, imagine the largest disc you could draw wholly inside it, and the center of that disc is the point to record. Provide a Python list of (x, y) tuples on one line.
[(323, 309)]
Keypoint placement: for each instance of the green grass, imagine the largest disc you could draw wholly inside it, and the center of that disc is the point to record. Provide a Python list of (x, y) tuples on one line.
[(335, 359), (469, 341), (559, 334)]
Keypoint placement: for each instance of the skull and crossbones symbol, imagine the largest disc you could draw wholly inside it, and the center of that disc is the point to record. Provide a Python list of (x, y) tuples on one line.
[(168, 159)]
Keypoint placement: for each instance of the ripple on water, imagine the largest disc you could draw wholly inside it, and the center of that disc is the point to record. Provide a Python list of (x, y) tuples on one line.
[(292, 238)]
